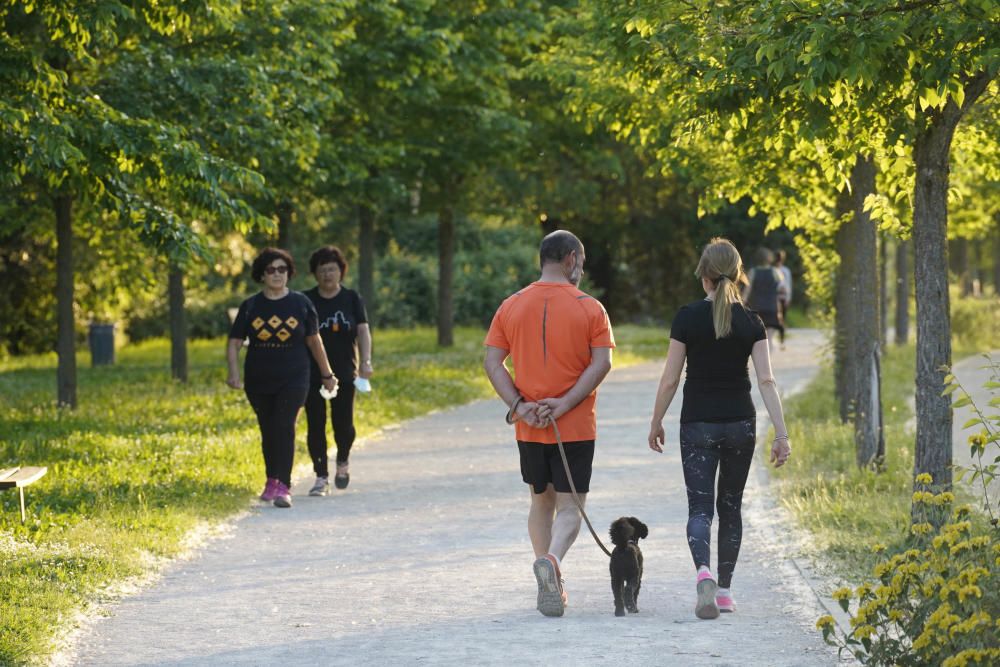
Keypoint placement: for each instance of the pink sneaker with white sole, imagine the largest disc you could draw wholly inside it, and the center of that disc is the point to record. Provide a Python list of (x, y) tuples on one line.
[(270, 490), (726, 603), (706, 606)]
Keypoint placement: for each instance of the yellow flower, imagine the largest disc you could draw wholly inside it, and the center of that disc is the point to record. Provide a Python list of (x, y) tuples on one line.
[(943, 498), (924, 478), (921, 528), (841, 594), (878, 548), (863, 590), (825, 621), (864, 631)]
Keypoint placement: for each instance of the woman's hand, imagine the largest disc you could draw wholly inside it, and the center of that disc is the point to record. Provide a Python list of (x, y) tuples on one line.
[(781, 449), (656, 437), (234, 381), (330, 383), (366, 370)]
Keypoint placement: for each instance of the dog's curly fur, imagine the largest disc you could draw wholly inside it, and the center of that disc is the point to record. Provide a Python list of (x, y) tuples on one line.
[(626, 563)]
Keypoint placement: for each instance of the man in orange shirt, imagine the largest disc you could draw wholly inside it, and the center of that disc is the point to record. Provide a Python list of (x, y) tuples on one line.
[(561, 341)]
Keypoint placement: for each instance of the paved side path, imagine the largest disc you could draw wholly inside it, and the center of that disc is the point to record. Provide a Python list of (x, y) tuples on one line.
[(973, 373), (425, 560)]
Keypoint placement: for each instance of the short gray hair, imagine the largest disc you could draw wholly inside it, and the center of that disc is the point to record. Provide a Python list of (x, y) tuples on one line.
[(557, 245)]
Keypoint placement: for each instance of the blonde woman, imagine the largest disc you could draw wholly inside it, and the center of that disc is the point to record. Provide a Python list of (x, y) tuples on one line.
[(716, 336)]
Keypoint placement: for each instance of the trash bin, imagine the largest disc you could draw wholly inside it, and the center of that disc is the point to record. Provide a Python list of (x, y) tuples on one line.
[(102, 344)]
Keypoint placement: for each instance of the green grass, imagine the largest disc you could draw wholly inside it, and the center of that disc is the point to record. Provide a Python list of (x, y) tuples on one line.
[(848, 510), (145, 460)]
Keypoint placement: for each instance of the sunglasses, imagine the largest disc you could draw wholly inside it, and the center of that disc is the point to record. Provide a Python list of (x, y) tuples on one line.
[(271, 270)]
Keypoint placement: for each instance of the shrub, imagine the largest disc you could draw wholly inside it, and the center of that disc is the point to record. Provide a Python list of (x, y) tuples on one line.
[(937, 603), (976, 322)]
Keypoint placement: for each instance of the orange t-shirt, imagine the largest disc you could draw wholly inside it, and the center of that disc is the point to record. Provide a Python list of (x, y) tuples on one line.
[(549, 328)]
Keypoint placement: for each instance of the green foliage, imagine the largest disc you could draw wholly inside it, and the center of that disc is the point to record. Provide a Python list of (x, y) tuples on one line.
[(492, 262), (975, 322), (935, 603)]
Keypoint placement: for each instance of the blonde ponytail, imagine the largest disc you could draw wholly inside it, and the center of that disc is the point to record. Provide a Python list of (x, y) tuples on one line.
[(720, 263)]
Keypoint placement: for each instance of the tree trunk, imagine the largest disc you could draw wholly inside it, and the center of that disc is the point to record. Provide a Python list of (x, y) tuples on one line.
[(864, 338), (902, 292), (883, 289), (446, 260), (930, 227), (66, 330), (843, 311), (366, 252), (931, 156), (178, 324), (284, 211)]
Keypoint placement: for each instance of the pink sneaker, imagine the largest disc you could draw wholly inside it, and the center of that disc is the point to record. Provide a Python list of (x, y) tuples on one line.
[(267, 495), (726, 603), (706, 606), (282, 495)]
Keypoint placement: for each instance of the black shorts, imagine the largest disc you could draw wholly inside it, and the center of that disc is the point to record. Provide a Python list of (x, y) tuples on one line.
[(542, 465)]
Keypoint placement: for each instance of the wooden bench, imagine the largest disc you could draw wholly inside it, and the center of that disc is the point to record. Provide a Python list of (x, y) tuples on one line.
[(18, 478)]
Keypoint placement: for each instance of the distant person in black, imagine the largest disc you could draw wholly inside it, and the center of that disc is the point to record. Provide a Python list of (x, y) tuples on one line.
[(784, 300), (764, 292), (343, 326), (718, 422), (281, 326)]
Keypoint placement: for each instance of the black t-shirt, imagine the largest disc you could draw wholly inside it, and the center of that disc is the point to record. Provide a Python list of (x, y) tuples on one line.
[(339, 318), (717, 386), (277, 329)]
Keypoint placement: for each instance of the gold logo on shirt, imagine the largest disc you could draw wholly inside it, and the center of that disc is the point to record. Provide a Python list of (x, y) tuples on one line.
[(292, 322), (257, 323), (264, 334), (275, 321), (283, 335)]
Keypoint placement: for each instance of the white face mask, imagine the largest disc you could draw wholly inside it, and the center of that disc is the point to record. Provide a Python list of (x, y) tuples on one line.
[(576, 273)]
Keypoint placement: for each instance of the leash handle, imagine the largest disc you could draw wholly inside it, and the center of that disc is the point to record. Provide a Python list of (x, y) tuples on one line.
[(572, 487)]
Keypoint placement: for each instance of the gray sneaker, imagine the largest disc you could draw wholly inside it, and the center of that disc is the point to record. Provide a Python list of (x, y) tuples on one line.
[(550, 599), (321, 487)]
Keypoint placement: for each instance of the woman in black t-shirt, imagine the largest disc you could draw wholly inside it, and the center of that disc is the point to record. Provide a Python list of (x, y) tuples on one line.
[(343, 326), (717, 336), (281, 326)]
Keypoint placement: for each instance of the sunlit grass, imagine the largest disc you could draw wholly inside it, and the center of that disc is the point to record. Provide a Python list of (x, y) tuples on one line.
[(846, 509), (144, 459)]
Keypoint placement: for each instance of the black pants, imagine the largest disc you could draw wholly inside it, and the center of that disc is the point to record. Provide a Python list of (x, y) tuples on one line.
[(276, 413), (705, 448), (342, 416)]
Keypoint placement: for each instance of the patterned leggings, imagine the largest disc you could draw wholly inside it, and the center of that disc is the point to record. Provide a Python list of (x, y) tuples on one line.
[(707, 447)]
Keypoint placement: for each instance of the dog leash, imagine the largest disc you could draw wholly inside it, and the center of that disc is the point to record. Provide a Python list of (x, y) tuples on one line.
[(572, 487), (510, 419)]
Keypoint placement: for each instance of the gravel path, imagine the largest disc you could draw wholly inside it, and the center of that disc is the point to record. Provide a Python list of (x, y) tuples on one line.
[(973, 372), (425, 560)]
